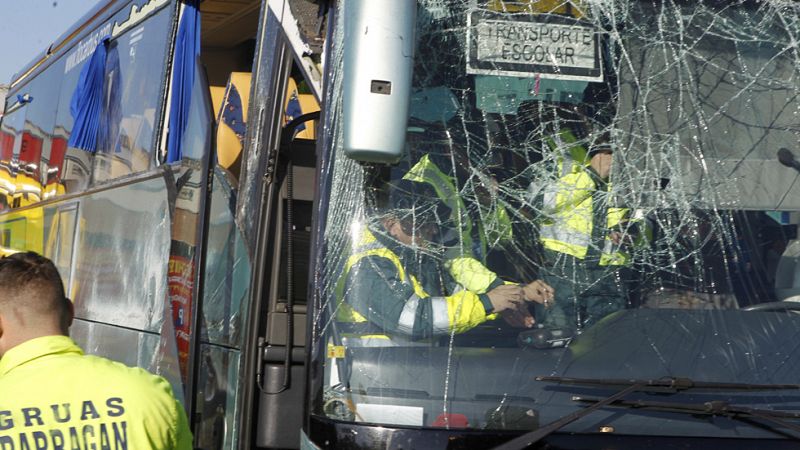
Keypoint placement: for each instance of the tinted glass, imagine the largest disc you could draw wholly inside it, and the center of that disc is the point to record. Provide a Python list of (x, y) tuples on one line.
[(135, 74), (132, 96), (10, 145), (41, 149)]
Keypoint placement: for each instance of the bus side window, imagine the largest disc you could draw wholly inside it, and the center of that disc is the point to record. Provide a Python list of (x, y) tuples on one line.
[(36, 151), (133, 83), (134, 78), (11, 140), (69, 167)]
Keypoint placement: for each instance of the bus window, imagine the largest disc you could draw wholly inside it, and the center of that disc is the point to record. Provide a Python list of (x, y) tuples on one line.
[(135, 74), (69, 166), (37, 151), (133, 85), (11, 138)]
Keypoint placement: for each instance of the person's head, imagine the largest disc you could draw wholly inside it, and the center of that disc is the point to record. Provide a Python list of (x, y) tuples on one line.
[(32, 300), (601, 155), (414, 213)]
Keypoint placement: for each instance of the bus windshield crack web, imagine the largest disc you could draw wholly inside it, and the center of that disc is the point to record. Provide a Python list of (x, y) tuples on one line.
[(631, 165)]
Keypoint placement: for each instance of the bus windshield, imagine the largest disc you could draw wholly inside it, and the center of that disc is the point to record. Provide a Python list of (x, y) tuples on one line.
[(589, 189)]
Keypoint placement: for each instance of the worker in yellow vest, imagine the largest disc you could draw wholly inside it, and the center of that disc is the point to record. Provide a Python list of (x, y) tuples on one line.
[(396, 290), (473, 237), (584, 237), (52, 395)]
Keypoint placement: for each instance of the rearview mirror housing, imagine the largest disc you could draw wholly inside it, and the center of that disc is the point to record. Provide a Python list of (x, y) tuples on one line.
[(377, 72)]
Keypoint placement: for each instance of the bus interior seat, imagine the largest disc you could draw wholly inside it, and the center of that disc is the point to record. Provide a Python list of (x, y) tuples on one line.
[(232, 121), (306, 103), (217, 94), (231, 109)]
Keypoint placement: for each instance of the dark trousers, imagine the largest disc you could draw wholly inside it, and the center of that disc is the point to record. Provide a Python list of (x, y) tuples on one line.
[(585, 292)]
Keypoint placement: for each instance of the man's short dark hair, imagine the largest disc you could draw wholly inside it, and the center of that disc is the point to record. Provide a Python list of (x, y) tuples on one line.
[(32, 279)]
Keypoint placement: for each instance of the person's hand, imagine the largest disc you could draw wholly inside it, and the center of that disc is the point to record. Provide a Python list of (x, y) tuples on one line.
[(538, 291), (620, 238), (507, 296), (518, 318)]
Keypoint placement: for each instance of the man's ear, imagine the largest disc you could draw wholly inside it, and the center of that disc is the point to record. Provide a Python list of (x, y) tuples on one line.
[(2, 334), (69, 314)]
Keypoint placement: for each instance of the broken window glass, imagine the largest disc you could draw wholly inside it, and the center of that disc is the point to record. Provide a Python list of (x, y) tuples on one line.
[(636, 157)]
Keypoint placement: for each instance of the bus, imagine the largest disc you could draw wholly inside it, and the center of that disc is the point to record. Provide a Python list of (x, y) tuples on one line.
[(211, 177)]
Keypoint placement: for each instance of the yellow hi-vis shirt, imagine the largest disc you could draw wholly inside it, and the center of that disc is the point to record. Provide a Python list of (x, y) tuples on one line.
[(54, 397)]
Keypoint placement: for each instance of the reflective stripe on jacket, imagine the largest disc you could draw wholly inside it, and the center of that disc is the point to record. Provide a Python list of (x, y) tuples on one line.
[(569, 211), (421, 315), (52, 396)]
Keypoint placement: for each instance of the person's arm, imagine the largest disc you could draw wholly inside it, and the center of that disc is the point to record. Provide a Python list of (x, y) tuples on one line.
[(165, 425), (375, 289), (472, 275), (183, 435)]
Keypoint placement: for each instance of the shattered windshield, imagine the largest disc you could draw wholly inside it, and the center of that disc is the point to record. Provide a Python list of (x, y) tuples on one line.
[(601, 189)]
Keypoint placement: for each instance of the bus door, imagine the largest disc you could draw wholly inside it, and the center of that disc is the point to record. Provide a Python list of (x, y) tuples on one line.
[(281, 375)]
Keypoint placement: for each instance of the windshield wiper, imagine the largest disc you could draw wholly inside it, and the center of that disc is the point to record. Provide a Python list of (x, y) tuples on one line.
[(666, 384), (712, 408), (671, 384)]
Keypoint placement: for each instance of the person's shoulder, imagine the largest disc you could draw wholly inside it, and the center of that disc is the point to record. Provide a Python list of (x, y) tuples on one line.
[(129, 377), (379, 262), (149, 397)]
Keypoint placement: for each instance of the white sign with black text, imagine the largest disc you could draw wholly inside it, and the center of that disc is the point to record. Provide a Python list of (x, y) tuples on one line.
[(543, 45)]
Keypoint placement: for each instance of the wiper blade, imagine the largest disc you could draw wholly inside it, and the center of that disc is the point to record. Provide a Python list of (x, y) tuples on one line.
[(666, 384), (671, 384), (529, 438), (712, 408)]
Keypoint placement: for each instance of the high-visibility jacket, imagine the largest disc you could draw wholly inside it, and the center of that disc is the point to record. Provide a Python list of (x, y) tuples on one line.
[(495, 223), (52, 396), (571, 224), (377, 293)]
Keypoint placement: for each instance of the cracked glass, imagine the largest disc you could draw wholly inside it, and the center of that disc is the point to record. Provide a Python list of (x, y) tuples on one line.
[(594, 189)]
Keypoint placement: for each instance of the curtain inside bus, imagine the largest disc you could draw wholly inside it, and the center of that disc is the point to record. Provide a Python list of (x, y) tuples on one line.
[(87, 100), (187, 49)]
